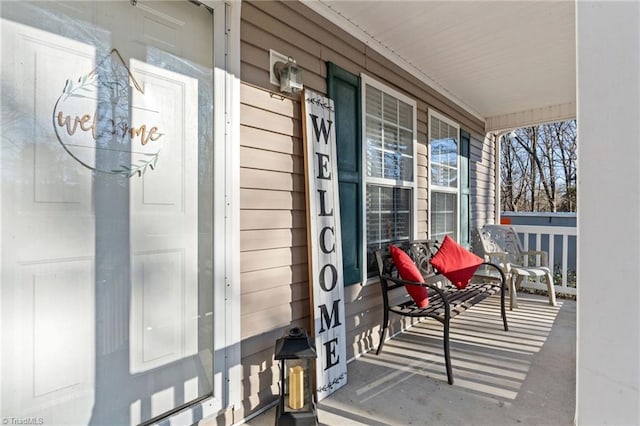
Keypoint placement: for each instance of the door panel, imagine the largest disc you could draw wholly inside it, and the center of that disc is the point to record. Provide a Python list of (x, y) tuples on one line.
[(58, 323), (164, 323), (164, 219), (47, 325), (47, 277)]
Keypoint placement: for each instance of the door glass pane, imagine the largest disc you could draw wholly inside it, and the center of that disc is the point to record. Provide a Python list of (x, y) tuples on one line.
[(106, 197)]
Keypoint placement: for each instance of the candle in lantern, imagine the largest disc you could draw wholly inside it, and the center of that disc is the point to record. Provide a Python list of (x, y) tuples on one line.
[(296, 387)]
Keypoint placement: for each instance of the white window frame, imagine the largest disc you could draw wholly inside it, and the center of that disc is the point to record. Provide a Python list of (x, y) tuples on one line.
[(364, 81), (443, 189)]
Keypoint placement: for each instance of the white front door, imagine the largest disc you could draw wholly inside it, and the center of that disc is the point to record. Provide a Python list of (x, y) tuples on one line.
[(106, 203)]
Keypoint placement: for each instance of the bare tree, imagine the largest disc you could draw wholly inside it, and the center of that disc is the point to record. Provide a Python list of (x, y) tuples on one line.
[(514, 172), (567, 136), (538, 169)]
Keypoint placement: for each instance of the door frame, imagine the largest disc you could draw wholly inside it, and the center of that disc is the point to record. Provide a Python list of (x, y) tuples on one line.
[(227, 374)]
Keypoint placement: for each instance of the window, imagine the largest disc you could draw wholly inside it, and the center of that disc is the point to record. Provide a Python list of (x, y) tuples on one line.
[(389, 123), (377, 171), (376, 141), (444, 167)]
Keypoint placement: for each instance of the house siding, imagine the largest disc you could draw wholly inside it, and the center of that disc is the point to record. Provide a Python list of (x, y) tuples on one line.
[(482, 176), (273, 258)]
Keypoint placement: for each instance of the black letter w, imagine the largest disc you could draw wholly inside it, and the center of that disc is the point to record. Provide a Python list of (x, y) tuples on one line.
[(323, 129)]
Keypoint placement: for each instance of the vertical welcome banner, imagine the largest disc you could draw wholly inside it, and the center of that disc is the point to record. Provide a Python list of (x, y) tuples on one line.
[(324, 243)]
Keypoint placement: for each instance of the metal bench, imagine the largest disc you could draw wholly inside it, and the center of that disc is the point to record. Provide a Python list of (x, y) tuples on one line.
[(445, 300)]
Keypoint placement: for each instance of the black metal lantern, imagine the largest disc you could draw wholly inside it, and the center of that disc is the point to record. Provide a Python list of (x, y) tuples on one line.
[(296, 353)]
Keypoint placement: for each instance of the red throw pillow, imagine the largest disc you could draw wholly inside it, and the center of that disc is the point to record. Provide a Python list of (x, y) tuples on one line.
[(455, 262), (409, 272)]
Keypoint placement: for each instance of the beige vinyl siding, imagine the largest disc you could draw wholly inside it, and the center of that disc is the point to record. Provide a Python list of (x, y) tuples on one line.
[(273, 258), (273, 252), (482, 181), (422, 197)]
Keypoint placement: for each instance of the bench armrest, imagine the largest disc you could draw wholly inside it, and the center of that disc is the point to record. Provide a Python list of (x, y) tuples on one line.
[(496, 272), (397, 283), (393, 283)]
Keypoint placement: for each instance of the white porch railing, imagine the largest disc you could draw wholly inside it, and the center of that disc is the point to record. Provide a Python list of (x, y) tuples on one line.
[(568, 279)]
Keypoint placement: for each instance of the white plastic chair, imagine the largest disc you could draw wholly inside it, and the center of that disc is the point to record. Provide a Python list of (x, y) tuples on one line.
[(501, 245)]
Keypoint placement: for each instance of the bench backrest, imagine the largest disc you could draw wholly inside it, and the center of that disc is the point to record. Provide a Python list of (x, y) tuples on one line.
[(501, 238), (420, 252)]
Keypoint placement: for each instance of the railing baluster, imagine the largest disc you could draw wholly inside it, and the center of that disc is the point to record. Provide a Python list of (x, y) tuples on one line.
[(538, 248), (552, 252), (565, 261), (537, 231)]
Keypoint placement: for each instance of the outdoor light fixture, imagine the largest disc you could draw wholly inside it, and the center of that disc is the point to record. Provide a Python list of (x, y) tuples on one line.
[(289, 75), (296, 353)]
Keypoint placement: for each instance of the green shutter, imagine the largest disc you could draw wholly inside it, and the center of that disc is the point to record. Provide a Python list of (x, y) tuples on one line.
[(465, 198), (344, 88)]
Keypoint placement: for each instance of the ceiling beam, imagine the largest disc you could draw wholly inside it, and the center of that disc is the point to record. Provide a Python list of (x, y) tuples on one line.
[(532, 117)]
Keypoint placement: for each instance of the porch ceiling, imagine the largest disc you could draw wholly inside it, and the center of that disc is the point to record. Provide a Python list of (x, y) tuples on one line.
[(510, 63)]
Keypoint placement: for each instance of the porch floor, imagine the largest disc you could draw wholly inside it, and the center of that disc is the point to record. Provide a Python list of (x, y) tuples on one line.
[(523, 376)]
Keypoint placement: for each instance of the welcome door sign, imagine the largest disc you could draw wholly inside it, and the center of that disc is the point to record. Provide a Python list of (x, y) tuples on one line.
[(324, 242), (106, 121)]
